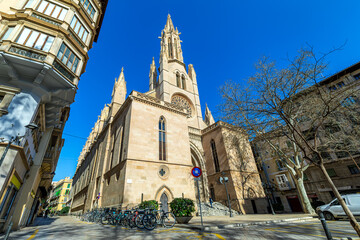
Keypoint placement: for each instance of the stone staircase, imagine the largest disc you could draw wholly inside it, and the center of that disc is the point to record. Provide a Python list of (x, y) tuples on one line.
[(217, 210)]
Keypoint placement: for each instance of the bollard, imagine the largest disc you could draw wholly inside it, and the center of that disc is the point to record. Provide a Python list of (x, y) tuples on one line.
[(323, 222), (9, 229)]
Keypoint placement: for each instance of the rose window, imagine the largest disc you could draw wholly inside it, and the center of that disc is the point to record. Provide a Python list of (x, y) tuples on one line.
[(182, 102)]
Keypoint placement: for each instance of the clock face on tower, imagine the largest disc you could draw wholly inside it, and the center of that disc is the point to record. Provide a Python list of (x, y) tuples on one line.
[(182, 102)]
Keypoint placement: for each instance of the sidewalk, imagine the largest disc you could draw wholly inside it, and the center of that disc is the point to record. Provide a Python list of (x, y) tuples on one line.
[(221, 222)]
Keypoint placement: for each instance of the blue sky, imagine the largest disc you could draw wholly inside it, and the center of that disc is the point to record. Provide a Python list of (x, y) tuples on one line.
[(222, 39)]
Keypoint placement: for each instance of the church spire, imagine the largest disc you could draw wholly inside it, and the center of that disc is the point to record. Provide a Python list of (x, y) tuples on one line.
[(170, 42), (209, 120), (152, 75)]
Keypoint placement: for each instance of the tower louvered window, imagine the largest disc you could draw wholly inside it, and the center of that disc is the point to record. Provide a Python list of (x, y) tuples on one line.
[(177, 79), (162, 139), (215, 156), (183, 82), (170, 48)]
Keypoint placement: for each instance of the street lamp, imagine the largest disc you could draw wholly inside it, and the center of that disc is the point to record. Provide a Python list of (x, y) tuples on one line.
[(224, 180), (32, 126)]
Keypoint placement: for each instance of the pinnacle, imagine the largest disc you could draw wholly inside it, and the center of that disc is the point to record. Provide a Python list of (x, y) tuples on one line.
[(169, 24)]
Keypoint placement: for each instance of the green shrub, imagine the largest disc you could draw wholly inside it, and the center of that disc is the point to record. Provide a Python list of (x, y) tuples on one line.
[(65, 210), (152, 204), (182, 207)]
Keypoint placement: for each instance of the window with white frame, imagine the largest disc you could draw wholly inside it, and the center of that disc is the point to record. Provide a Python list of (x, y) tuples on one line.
[(52, 10), (35, 39), (89, 8), (282, 181), (67, 57), (79, 29)]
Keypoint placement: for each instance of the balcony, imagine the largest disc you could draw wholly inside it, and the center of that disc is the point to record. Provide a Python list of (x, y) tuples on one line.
[(27, 53)]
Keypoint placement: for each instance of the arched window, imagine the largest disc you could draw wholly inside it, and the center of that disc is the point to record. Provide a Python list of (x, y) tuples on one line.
[(178, 80), (215, 156), (162, 139), (183, 82), (170, 48)]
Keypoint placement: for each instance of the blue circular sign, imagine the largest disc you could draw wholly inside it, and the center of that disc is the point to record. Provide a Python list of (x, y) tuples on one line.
[(196, 172)]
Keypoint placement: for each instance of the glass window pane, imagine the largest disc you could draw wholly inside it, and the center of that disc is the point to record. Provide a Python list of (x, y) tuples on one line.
[(71, 60), (61, 51), (76, 29), (85, 36), (30, 42), (48, 44), (73, 21), (40, 42), (81, 31), (92, 13), (75, 65), (66, 56), (62, 14), (28, 3), (56, 12), (7, 33), (86, 4), (42, 6), (23, 36), (89, 9), (49, 9)]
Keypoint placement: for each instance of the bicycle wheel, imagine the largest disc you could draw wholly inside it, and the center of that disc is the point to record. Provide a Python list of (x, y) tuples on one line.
[(131, 221), (149, 221), (168, 220), (139, 220)]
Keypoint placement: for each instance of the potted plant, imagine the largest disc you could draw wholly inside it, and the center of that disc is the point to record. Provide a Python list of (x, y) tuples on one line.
[(182, 208)]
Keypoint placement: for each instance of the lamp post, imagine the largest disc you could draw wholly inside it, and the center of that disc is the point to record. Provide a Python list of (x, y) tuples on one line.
[(32, 126), (224, 180)]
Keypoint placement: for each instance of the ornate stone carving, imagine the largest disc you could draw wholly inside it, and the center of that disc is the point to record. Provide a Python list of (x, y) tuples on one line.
[(182, 102)]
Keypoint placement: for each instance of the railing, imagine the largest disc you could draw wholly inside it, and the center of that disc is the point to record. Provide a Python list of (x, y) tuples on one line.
[(45, 19), (58, 66), (27, 53)]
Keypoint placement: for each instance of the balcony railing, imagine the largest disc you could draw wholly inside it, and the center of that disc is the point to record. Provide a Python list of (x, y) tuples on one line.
[(66, 73), (27, 53), (45, 19)]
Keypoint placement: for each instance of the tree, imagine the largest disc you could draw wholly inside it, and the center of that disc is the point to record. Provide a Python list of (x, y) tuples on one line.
[(294, 102)]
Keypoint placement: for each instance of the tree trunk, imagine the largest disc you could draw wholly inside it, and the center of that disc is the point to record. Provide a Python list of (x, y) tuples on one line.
[(304, 199), (347, 211)]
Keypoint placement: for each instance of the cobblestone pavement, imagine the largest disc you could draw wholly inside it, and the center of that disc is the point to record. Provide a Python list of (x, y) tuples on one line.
[(66, 228)]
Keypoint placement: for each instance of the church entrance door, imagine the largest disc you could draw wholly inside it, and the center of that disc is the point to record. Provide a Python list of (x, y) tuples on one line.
[(164, 202)]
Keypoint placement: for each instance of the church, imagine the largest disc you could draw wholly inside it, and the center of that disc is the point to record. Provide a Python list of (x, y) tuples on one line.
[(143, 146)]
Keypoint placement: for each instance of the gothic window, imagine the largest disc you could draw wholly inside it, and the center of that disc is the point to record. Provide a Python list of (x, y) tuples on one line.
[(182, 102), (183, 82), (162, 139), (170, 48), (215, 156), (178, 79), (176, 50)]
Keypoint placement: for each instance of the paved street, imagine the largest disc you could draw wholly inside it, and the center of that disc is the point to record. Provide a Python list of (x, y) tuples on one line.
[(65, 228)]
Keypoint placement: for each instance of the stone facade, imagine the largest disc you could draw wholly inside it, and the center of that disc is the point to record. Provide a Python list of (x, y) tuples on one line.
[(143, 147)]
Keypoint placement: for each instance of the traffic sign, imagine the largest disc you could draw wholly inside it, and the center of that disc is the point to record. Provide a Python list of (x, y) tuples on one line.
[(196, 172)]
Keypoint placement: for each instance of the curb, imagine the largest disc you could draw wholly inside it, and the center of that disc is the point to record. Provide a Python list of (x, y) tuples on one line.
[(240, 225), (350, 238)]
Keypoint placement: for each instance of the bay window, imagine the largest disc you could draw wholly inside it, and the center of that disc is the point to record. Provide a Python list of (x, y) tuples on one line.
[(52, 10), (79, 29), (35, 39), (89, 8), (67, 57)]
